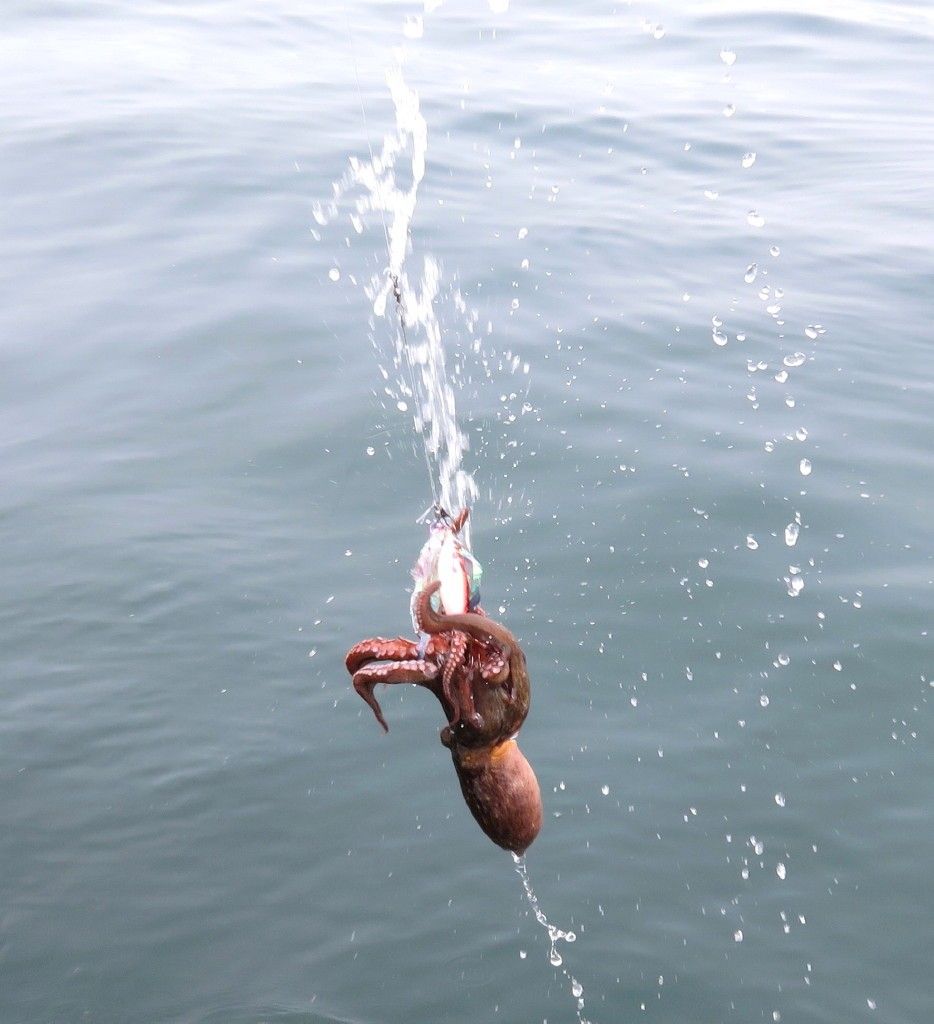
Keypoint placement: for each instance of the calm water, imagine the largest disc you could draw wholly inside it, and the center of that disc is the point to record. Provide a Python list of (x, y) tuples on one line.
[(209, 492)]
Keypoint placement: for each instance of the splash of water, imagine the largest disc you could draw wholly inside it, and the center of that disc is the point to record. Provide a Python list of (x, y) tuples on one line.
[(555, 935), (419, 358)]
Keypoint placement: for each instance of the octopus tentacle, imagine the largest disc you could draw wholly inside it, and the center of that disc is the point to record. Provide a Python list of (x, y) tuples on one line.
[(456, 684), (379, 648), (457, 523), (413, 671), (478, 626), (399, 648)]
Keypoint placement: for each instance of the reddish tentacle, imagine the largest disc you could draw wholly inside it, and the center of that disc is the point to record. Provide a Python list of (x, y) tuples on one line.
[(457, 653), (380, 648), (399, 648), (479, 626), (416, 670), (457, 681), (457, 523)]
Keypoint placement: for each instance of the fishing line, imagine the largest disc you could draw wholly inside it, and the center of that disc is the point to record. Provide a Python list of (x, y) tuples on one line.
[(393, 278)]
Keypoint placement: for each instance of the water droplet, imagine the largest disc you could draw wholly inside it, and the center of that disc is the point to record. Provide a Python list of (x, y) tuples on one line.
[(658, 32), (402, 406), (522, 954), (805, 467), (605, 790), (780, 870), (797, 359), (751, 542), (780, 799), (801, 433), (523, 232), (334, 274), (838, 667), (729, 110), (791, 534), (755, 219), (703, 562), (764, 700), (784, 660), (749, 159), (751, 272), (774, 250), (413, 27), (738, 935), (514, 304), (871, 1003), (719, 337), (555, 958), (728, 57), (577, 989), (781, 376), (370, 450)]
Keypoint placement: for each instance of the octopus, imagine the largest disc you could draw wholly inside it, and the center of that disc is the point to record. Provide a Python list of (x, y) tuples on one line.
[(477, 670)]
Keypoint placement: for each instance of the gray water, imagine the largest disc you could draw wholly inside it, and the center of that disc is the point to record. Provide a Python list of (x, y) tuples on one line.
[(209, 493)]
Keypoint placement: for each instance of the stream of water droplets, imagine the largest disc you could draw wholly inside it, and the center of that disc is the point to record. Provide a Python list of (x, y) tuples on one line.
[(420, 372), (555, 935)]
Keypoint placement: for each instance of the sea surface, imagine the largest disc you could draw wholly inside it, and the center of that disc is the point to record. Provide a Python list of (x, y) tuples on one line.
[(676, 261)]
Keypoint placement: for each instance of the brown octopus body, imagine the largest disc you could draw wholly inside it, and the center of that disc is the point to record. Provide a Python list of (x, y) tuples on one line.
[(498, 783)]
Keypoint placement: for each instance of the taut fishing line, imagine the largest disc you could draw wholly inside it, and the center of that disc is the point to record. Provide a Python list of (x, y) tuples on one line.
[(393, 277)]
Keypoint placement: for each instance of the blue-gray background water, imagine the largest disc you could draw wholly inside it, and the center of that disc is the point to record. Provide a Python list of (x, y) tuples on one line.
[(208, 492)]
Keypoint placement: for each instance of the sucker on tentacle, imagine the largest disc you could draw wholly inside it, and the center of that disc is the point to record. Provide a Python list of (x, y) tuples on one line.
[(379, 648), (456, 684), (366, 678)]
